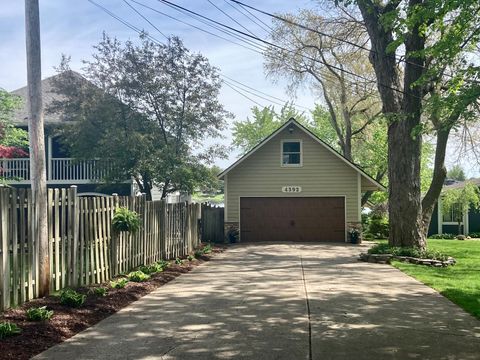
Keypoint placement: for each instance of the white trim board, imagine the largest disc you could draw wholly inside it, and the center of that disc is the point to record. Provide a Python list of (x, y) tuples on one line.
[(314, 137)]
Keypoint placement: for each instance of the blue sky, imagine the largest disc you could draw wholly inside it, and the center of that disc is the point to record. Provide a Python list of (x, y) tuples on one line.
[(73, 27)]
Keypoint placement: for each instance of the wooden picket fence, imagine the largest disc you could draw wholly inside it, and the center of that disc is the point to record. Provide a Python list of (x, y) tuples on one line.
[(83, 248), (212, 223)]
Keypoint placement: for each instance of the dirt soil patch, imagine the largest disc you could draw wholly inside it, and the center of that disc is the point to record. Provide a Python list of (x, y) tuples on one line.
[(66, 322)]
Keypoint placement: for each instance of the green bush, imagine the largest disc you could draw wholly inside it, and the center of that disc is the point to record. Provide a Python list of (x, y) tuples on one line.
[(198, 254), (178, 261), (72, 298), (443, 236), (378, 227), (39, 313), (190, 258), (99, 291), (151, 269), (475, 235), (8, 329), (163, 264), (138, 276), (409, 251), (207, 249), (125, 220), (119, 283)]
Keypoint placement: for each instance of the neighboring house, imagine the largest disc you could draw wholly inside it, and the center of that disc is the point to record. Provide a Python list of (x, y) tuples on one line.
[(294, 187), (62, 170), (446, 223)]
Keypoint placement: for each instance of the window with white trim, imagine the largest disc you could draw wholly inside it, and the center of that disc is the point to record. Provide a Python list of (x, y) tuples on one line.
[(291, 153), (453, 215)]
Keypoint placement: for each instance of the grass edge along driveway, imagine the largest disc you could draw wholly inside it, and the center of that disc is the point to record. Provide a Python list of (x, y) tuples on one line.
[(459, 283)]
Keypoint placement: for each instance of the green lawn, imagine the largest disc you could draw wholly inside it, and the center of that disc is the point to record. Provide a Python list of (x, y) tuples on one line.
[(459, 283)]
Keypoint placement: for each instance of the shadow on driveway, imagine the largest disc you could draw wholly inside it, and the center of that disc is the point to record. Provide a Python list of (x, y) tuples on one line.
[(250, 303)]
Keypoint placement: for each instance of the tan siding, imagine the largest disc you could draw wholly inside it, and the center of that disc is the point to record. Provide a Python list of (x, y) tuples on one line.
[(322, 174), (368, 185)]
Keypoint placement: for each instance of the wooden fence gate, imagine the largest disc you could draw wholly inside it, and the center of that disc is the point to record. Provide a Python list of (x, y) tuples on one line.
[(213, 223)]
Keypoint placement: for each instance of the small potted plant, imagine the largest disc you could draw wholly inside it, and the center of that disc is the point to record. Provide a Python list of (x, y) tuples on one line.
[(125, 220), (354, 236)]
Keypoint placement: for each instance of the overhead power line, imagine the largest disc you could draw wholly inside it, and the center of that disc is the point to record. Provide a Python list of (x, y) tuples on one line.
[(345, 41), (266, 42), (229, 16), (264, 27), (234, 87)]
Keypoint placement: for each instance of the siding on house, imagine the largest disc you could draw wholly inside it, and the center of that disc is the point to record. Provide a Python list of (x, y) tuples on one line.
[(322, 174)]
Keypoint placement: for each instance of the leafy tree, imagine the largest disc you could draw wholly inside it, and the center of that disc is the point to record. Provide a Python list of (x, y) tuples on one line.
[(308, 58), (13, 141), (460, 201), (146, 112), (456, 173), (247, 134), (434, 90)]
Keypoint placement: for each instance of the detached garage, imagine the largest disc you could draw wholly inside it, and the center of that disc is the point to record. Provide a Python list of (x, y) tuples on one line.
[(294, 187)]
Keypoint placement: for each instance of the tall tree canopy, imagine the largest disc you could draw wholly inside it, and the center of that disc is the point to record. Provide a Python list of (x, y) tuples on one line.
[(147, 111), (321, 60), (421, 51), (250, 132)]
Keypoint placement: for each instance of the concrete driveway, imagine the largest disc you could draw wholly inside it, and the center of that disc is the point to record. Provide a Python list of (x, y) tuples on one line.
[(284, 301)]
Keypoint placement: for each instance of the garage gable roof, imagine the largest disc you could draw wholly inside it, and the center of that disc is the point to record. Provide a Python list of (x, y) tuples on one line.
[(314, 137)]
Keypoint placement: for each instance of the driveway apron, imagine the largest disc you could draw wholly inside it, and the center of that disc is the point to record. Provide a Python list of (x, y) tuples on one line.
[(283, 301)]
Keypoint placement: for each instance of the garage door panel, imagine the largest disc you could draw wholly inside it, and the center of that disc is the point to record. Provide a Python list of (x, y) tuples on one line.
[(292, 219)]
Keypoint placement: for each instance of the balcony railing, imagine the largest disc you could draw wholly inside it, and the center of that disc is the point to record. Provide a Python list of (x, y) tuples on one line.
[(59, 170)]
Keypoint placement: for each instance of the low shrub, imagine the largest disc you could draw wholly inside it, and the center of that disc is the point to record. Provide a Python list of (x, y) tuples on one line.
[(443, 236), (378, 227), (39, 313), (190, 258), (72, 298), (138, 276), (407, 251), (99, 291), (198, 254), (125, 220), (8, 329), (475, 235), (178, 261), (151, 269), (119, 283), (163, 264), (207, 249)]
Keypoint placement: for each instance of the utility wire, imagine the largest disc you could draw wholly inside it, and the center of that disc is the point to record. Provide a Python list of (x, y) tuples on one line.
[(252, 93), (288, 50), (245, 96), (230, 17), (234, 87), (256, 48), (259, 24), (397, 58), (146, 19)]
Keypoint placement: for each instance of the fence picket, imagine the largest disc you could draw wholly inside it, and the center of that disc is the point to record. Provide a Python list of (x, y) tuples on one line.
[(83, 247)]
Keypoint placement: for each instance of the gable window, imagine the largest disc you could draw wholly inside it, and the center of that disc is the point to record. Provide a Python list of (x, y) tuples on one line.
[(291, 153)]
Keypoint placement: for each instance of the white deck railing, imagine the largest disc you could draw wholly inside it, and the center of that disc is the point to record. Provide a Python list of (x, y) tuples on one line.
[(59, 170), (15, 169)]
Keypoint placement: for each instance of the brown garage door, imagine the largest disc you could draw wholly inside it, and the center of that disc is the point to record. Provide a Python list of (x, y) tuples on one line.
[(292, 219)]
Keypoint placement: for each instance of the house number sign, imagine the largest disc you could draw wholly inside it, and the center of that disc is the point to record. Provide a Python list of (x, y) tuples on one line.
[(291, 189)]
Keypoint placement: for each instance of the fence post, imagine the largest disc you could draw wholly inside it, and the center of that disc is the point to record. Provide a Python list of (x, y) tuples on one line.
[(5, 269), (75, 234), (114, 265)]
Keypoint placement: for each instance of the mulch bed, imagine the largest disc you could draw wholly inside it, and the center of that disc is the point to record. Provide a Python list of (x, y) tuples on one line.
[(66, 322)]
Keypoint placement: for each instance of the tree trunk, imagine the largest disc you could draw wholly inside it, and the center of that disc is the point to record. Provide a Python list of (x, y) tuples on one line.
[(402, 109), (439, 175)]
